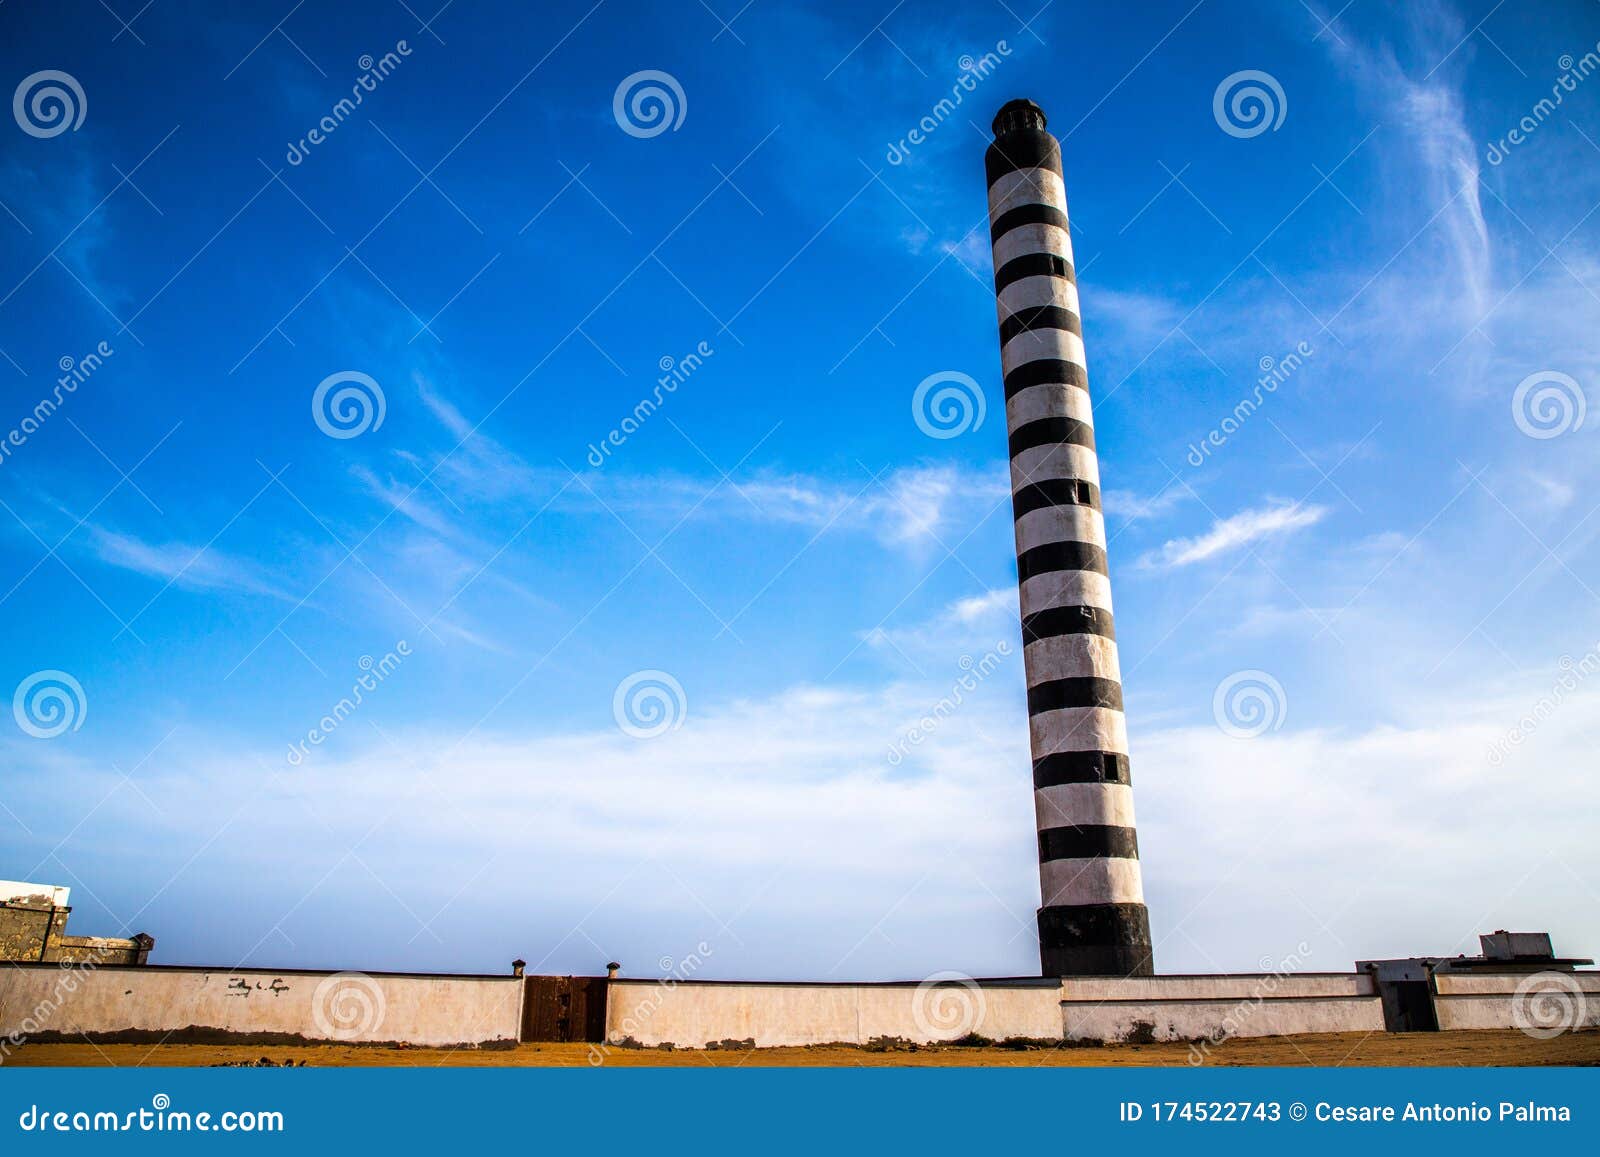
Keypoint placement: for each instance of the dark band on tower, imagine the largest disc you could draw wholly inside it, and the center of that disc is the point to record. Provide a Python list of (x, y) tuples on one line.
[(1093, 920)]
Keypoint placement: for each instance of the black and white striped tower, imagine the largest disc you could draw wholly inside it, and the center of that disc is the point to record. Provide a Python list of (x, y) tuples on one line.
[(1093, 920)]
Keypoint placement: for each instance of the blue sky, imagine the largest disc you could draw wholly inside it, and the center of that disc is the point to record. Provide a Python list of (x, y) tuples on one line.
[(1411, 569)]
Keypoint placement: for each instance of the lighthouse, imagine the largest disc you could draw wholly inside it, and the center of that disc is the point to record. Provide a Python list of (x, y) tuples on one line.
[(1092, 919)]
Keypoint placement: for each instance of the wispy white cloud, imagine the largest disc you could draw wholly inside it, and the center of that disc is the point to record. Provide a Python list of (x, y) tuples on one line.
[(980, 608), (451, 629), (1437, 119), (910, 505), (972, 251), (410, 500), (182, 564), (1432, 111), (976, 622), (1133, 507), (1242, 529), (475, 464), (915, 505), (1553, 492), (66, 200), (1135, 318)]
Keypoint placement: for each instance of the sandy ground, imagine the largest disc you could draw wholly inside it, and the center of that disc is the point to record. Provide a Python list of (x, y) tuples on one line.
[(1506, 1047)]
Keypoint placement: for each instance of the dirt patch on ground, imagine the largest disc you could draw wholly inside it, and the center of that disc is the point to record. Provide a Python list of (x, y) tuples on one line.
[(1504, 1047)]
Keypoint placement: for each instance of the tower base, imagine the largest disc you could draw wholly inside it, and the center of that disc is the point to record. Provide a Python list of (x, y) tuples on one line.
[(1095, 940)]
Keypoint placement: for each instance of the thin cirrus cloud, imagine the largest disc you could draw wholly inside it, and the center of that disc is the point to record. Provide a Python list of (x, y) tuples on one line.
[(1433, 113), (911, 505), (973, 624), (1131, 506), (185, 565), (1239, 530)]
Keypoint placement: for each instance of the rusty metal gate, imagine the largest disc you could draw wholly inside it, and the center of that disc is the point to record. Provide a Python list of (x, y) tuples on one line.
[(564, 1008)]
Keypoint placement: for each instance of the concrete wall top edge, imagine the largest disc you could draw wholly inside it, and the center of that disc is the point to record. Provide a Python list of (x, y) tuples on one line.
[(1495, 984), (24, 893), (1019, 982), (1157, 1001), (254, 971), (1221, 975), (97, 941), (991, 981)]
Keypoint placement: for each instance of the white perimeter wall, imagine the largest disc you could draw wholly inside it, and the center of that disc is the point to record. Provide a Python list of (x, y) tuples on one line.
[(455, 1010), (692, 1015), (1214, 1008), (1552, 1000), (352, 1007)]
